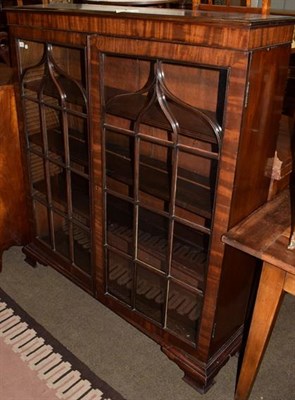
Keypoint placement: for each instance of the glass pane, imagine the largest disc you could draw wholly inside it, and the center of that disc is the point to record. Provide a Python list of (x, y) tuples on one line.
[(70, 75), (119, 274), (58, 187), (119, 162), (189, 257), (131, 75), (130, 93), (152, 239), (75, 98), (80, 195), (150, 291), (195, 184), (56, 143), (155, 175), (120, 224), (64, 80), (194, 86), (30, 53), (42, 224), (166, 105), (62, 230), (49, 92), (77, 134), (52, 116), (37, 169), (82, 248), (32, 124), (118, 121), (184, 309), (78, 143), (70, 60)]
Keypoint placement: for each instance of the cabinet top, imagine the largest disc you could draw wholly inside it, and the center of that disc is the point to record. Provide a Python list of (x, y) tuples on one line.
[(139, 9), (240, 31)]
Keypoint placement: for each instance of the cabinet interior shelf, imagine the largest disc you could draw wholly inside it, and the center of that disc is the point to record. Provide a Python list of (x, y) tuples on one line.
[(191, 124)]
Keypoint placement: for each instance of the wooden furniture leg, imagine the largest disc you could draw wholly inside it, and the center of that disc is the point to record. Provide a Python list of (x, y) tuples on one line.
[(269, 297)]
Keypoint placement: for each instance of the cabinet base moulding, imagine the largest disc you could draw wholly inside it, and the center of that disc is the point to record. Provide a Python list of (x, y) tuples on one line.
[(201, 375), (36, 253)]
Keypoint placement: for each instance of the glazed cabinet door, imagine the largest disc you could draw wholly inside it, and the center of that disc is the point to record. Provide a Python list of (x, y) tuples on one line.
[(161, 136), (54, 100)]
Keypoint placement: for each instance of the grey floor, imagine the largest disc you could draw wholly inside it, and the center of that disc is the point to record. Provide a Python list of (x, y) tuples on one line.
[(128, 360)]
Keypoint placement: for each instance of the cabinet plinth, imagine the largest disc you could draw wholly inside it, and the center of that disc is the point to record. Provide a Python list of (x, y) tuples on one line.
[(141, 146)]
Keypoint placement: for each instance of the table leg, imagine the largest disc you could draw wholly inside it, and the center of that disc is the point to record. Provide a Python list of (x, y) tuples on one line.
[(269, 297)]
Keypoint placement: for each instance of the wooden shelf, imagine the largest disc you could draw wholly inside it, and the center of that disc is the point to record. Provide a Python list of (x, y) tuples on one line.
[(191, 123)]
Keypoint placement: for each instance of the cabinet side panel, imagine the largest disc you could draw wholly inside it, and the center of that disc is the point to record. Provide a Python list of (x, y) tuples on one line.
[(258, 142), (234, 298), (260, 129)]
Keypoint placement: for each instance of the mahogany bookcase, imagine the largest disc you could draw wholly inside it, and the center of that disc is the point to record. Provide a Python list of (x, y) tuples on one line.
[(146, 134)]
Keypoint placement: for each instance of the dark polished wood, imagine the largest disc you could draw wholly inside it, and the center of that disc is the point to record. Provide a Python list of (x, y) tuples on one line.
[(265, 234), (199, 165), (13, 215), (4, 48)]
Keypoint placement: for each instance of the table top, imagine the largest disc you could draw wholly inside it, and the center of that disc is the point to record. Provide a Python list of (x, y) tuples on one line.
[(265, 234)]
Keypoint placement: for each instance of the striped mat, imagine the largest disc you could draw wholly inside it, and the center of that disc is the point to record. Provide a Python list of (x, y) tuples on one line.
[(35, 366)]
